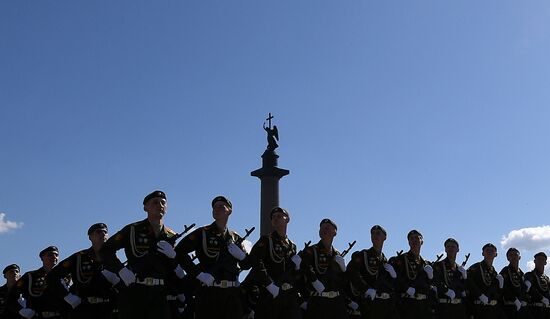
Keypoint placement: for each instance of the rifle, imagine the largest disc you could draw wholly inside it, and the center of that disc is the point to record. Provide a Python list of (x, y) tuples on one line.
[(172, 240), (466, 260), (247, 233), (438, 258), (345, 252)]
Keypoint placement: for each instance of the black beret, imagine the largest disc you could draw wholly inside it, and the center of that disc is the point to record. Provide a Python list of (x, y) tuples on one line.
[(414, 232), (278, 209), (541, 254), (328, 221), (47, 250), (221, 199), (154, 194), (378, 227), (451, 240), (10, 267), (488, 245), (512, 249), (97, 226)]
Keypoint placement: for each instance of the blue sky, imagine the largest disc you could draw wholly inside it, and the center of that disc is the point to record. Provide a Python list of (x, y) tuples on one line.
[(410, 114)]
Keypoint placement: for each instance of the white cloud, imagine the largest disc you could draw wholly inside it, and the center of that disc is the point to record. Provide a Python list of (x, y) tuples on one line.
[(533, 239), (7, 225)]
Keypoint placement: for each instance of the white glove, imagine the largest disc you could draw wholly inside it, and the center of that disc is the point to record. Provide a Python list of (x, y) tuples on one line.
[(340, 261), (235, 251), (517, 303), (22, 301), (484, 299), (434, 288), (181, 310), (110, 276), (390, 270), (180, 273), (451, 294), (127, 276), (303, 305), (429, 271), (500, 281), (370, 293), (545, 301), (297, 261), (27, 313), (273, 290), (411, 291), (206, 279), (528, 285), (463, 272), (72, 300), (319, 287), (164, 247), (181, 297), (353, 305)]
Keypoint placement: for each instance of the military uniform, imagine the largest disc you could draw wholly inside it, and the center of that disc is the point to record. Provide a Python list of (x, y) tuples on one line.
[(513, 289), (89, 284), (5, 312), (448, 280), (537, 304), (146, 297), (271, 264), (482, 280), (223, 298), (318, 264), (366, 271), (411, 274)]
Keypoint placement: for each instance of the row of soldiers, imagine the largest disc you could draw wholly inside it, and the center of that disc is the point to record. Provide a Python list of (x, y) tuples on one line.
[(199, 277)]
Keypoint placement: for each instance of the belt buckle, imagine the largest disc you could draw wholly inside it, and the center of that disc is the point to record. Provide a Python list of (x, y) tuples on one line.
[(286, 286), (332, 294), (93, 299), (224, 284)]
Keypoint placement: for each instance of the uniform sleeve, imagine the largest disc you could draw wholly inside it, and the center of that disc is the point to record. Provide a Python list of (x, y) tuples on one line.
[(439, 278), (188, 244), (16, 291), (353, 272), (111, 246), (58, 273), (534, 292), (256, 259), (508, 291), (307, 265), (401, 282), (471, 282)]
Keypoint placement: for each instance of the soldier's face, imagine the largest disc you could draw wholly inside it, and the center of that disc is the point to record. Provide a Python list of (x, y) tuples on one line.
[(513, 257), (99, 236), (12, 275), (451, 249), (377, 237), (220, 210), (279, 219), (327, 231), (50, 259), (156, 207), (540, 262), (489, 253), (415, 242)]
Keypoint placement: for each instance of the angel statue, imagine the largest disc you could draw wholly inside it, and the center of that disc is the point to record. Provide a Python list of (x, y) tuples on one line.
[(272, 134)]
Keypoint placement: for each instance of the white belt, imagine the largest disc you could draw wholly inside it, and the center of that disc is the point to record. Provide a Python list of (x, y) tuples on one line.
[(171, 297), (538, 304), (327, 294), (150, 281), (95, 300), (450, 301), (226, 284), (383, 295), (513, 303), (49, 314), (286, 286), (415, 296), (490, 303)]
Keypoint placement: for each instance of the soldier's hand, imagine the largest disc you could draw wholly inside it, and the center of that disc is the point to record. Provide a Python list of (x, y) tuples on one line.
[(370, 293), (303, 305), (500, 281), (451, 294), (389, 268), (411, 291), (463, 272), (206, 279), (353, 305), (517, 303), (340, 261), (319, 287), (110, 276), (527, 285), (235, 251), (273, 290), (22, 301), (181, 298), (429, 271), (165, 248), (72, 300), (484, 299), (180, 273), (127, 276), (545, 301), (26, 313), (297, 261)]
